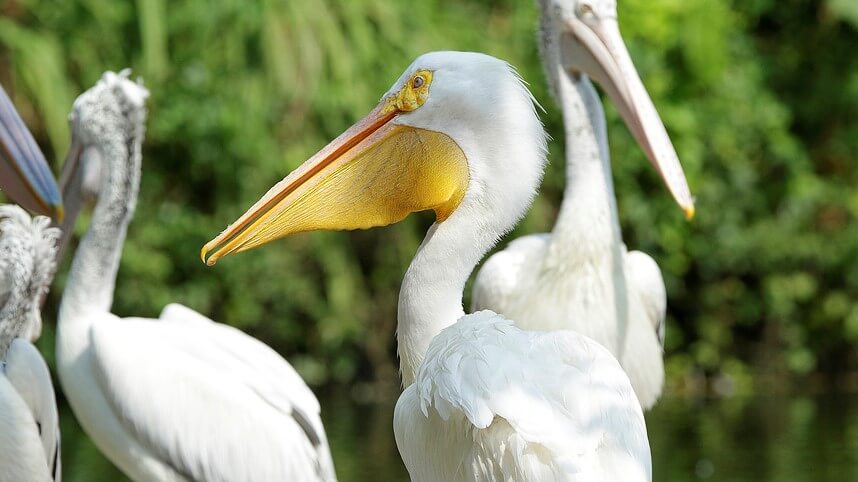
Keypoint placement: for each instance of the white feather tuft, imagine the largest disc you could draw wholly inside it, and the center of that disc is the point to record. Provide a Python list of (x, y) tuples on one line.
[(134, 91), (28, 250)]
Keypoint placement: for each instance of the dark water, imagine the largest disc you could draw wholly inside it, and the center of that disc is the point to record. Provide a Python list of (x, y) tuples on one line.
[(797, 439)]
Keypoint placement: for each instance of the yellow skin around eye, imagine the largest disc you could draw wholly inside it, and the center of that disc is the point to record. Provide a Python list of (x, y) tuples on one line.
[(409, 98)]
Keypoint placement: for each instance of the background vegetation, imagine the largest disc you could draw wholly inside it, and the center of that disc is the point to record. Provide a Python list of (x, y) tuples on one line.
[(760, 98)]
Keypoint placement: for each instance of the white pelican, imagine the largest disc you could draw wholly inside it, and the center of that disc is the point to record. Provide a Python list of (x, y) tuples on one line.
[(581, 276), (179, 398), (485, 401), (29, 424)]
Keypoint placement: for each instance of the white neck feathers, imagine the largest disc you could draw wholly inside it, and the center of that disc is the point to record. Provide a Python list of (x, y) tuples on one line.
[(587, 225), (116, 105), (506, 157)]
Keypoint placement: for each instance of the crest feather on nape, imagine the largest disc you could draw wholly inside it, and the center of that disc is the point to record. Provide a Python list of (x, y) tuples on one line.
[(33, 238), (134, 92), (45, 239), (36, 231), (14, 214)]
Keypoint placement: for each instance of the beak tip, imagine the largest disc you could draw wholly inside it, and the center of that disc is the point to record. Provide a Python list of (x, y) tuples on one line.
[(204, 252), (59, 213), (689, 212)]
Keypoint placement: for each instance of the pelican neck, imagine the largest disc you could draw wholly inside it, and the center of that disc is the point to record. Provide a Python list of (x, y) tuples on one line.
[(587, 224), (92, 277)]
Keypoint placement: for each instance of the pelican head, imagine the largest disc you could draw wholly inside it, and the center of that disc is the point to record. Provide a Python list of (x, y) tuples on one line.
[(24, 174), (27, 261), (107, 124), (456, 133), (583, 37)]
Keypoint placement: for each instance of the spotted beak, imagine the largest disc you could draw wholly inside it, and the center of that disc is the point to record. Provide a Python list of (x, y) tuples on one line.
[(24, 174), (595, 47)]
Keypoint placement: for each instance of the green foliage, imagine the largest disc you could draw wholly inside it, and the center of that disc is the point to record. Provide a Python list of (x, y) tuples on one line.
[(759, 97)]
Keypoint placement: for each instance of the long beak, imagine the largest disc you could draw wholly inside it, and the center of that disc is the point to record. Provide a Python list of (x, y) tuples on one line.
[(374, 174), (597, 49), (71, 184), (24, 174)]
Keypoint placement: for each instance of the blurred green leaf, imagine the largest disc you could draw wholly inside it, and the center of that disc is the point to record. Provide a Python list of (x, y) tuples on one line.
[(845, 9)]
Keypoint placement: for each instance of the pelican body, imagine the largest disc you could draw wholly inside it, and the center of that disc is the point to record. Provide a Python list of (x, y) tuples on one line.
[(484, 400), (29, 423), (581, 276), (179, 398)]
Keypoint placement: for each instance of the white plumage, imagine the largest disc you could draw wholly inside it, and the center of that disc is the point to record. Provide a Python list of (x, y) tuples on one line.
[(495, 403), (484, 400), (29, 423), (645, 275), (181, 397), (617, 298), (581, 276), (203, 401)]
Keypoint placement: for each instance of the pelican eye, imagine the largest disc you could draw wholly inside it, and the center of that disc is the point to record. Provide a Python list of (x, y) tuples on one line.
[(413, 93)]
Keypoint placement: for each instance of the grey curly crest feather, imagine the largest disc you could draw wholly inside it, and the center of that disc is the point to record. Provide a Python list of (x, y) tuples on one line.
[(27, 264)]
